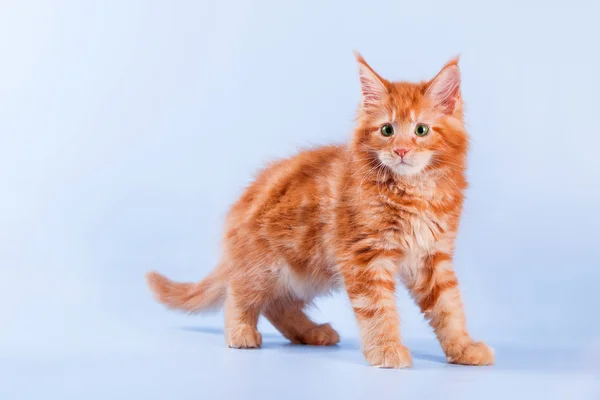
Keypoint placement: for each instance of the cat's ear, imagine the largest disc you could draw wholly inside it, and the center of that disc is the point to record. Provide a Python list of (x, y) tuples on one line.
[(444, 89), (374, 88)]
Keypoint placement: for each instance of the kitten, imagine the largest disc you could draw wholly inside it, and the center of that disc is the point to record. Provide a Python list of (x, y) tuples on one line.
[(385, 205)]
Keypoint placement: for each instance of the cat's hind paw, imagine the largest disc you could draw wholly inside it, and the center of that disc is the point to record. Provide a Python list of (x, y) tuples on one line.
[(476, 353), (243, 337), (322, 335)]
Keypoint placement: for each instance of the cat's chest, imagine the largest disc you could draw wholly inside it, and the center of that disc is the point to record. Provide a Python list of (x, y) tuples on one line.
[(416, 236), (416, 233)]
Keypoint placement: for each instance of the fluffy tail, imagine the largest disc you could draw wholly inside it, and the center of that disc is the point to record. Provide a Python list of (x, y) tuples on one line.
[(190, 297)]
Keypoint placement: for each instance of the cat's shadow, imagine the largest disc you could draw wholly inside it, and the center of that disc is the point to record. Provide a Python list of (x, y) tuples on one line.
[(427, 354), (347, 351)]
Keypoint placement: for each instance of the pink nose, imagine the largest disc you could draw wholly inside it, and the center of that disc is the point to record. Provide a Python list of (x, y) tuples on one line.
[(401, 152)]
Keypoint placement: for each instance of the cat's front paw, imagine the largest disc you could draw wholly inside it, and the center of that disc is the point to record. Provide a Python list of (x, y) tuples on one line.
[(476, 353), (390, 355)]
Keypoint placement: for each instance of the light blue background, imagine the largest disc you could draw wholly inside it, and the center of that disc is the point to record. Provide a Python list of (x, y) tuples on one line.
[(127, 128)]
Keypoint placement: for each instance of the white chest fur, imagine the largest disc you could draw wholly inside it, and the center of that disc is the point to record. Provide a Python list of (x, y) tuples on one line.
[(421, 235)]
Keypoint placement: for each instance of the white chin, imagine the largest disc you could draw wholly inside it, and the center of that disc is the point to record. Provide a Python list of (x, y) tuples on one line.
[(406, 169)]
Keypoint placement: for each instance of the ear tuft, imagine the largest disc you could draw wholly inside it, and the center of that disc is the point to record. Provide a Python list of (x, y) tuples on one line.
[(453, 61), (374, 88), (444, 89)]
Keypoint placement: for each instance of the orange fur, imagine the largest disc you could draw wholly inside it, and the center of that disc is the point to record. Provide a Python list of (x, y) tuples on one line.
[(356, 216)]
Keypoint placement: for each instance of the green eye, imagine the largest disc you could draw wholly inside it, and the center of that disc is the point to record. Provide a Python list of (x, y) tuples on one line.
[(421, 130), (387, 130)]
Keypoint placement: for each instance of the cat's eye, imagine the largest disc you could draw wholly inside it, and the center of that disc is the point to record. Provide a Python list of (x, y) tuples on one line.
[(387, 130), (421, 130)]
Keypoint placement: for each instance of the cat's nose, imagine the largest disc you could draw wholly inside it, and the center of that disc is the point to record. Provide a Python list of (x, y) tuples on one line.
[(401, 152)]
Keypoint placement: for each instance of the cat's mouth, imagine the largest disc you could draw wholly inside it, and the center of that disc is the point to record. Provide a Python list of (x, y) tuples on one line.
[(403, 163)]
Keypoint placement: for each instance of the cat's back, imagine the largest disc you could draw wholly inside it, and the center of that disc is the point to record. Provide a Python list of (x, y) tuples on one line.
[(302, 183)]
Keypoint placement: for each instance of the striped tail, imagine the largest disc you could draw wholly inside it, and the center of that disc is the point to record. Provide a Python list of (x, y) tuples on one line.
[(206, 295)]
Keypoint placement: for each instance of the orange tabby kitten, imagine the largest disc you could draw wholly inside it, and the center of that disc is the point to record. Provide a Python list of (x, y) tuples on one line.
[(385, 205)]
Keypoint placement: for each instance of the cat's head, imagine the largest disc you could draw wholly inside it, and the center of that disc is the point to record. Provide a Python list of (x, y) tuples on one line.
[(411, 127)]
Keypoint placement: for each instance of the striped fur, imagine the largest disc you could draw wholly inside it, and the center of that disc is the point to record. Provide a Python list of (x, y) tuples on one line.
[(357, 216)]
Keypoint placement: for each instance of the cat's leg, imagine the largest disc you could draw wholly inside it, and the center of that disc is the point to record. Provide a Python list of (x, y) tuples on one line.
[(371, 286), (290, 319), (436, 292), (241, 318)]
